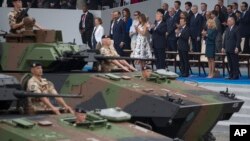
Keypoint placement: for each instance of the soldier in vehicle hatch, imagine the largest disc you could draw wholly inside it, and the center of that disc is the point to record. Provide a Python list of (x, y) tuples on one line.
[(37, 84), (18, 26)]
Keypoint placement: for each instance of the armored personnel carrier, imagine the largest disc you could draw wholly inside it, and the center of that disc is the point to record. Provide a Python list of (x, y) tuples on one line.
[(100, 125), (169, 107)]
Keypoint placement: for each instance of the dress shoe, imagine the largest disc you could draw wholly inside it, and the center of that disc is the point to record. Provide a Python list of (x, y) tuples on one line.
[(184, 75), (235, 78)]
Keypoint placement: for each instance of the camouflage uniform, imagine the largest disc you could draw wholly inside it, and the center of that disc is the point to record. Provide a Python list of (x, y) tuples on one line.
[(12, 20), (107, 66), (37, 86), (43, 86), (109, 51)]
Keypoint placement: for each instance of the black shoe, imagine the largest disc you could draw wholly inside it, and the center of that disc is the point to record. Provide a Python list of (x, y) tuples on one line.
[(235, 78), (184, 75)]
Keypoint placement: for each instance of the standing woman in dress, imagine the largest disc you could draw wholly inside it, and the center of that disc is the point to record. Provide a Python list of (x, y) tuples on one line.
[(98, 32), (210, 36), (128, 21), (132, 31), (142, 48)]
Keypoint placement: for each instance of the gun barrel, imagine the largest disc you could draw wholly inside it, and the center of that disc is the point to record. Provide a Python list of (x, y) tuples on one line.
[(100, 57), (23, 94)]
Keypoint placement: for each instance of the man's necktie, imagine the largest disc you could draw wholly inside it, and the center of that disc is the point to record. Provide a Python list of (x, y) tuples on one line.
[(83, 20)]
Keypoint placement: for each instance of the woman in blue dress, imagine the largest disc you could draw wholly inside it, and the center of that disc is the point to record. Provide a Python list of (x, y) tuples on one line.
[(128, 21), (210, 36)]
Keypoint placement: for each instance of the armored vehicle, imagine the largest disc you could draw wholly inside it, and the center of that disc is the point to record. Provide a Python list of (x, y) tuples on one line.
[(169, 107), (100, 125)]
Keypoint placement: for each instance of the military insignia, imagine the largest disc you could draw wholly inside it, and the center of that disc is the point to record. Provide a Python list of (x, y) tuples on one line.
[(32, 87)]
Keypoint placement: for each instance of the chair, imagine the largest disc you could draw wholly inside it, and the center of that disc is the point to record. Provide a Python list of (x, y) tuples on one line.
[(117, 3), (244, 59), (126, 2)]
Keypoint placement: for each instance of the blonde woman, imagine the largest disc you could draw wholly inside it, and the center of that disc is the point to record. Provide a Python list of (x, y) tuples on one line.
[(97, 33), (210, 36), (108, 49)]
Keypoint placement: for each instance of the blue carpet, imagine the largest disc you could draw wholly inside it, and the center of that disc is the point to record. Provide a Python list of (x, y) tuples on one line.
[(244, 80)]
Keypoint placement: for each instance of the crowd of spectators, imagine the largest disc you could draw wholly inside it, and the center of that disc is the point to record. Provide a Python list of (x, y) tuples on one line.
[(70, 4), (217, 30)]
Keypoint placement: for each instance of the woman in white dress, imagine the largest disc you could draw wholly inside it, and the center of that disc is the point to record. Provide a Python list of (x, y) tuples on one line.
[(132, 31), (142, 48)]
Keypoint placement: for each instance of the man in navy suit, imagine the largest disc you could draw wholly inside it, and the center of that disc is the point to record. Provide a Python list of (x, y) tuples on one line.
[(86, 26), (171, 26), (230, 12), (158, 31), (231, 46), (166, 14), (223, 8), (188, 6), (183, 34), (203, 9), (244, 28), (235, 7), (177, 5), (196, 23), (118, 32)]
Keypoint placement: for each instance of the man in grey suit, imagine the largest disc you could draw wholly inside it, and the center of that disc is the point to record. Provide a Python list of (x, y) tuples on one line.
[(231, 46)]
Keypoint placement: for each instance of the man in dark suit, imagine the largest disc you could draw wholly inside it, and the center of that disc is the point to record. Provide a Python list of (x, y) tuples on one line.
[(235, 7), (231, 46), (244, 28), (188, 6), (183, 35), (158, 31), (166, 14), (112, 22), (203, 9), (171, 26), (177, 5), (223, 8), (119, 32), (86, 26), (196, 24), (230, 12)]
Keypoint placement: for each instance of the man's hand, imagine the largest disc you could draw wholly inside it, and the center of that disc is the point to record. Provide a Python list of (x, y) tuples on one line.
[(236, 51), (223, 50), (56, 111), (152, 26), (122, 44), (52, 4), (81, 31), (69, 109), (204, 33), (166, 34), (198, 38)]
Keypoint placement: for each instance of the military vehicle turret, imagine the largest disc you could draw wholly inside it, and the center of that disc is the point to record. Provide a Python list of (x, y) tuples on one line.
[(172, 108)]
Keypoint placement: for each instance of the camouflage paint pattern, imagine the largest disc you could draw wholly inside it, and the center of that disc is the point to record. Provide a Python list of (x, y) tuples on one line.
[(201, 110), (18, 56), (63, 131)]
